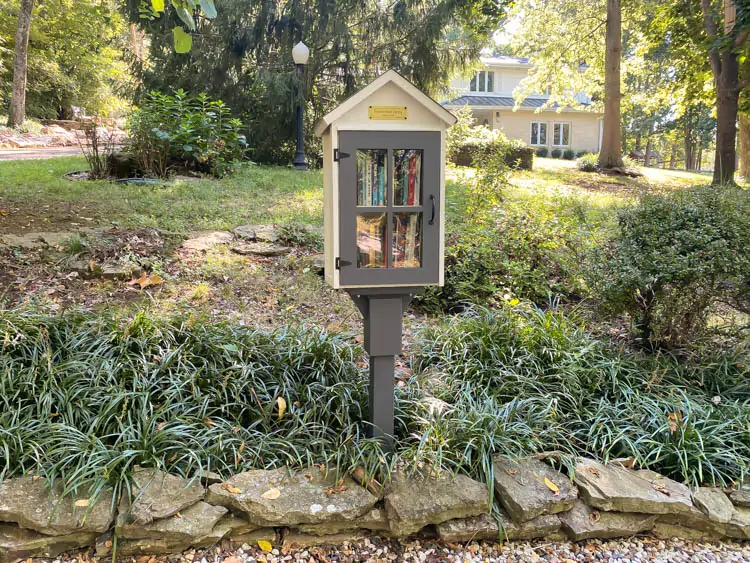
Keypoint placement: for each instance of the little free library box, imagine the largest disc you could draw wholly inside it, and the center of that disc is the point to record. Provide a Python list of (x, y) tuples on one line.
[(384, 211)]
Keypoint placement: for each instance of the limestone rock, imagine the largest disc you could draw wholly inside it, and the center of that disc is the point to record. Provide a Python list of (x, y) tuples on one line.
[(583, 523), (16, 543), (187, 526), (229, 525), (714, 504), (207, 240), (415, 501), (666, 531), (159, 495), (739, 526), (260, 249), (485, 527), (318, 264), (27, 242), (520, 488), (373, 520), (252, 538), (27, 502), (740, 498), (616, 489), (261, 233), (296, 540), (302, 497)]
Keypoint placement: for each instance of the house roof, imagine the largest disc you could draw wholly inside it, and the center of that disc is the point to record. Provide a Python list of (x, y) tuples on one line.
[(505, 60), (390, 76), (501, 102)]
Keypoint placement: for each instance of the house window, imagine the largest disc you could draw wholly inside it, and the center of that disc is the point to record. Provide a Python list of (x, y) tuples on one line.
[(561, 135), (538, 133), (483, 81)]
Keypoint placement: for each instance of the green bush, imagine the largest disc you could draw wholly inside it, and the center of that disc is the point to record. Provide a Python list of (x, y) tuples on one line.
[(556, 153), (677, 257), (520, 380), (569, 154), (588, 163), (542, 152), (466, 146), (170, 131), (579, 154)]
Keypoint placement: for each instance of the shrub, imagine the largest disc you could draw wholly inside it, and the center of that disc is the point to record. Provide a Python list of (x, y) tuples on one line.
[(176, 130), (482, 140), (677, 256), (579, 154), (588, 163), (569, 154), (556, 153), (519, 381), (542, 152), (460, 132), (97, 149)]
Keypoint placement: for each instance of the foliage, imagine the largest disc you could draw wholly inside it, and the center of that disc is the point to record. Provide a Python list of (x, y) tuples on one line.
[(84, 398), (482, 143), (569, 154), (556, 153), (677, 256), (75, 58), (588, 162), (521, 380), (97, 149), (542, 152), (170, 130), (297, 234), (460, 132), (244, 57)]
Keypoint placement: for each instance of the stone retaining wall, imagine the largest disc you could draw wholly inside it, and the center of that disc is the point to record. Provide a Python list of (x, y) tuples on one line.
[(168, 514)]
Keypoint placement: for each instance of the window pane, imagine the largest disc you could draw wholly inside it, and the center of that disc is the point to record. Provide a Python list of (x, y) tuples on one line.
[(473, 85), (534, 133), (542, 133), (490, 81), (407, 177), (556, 134), (566, 134), (371, 229), (407, 240), (371, 184), (481, 81)]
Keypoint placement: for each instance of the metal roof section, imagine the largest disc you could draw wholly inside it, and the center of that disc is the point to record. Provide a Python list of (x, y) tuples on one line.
[(502, 102)]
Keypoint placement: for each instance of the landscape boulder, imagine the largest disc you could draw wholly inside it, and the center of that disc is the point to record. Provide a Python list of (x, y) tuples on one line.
[(207, 239), (521, 488), (281, 498), (740, 498), (416, 500), (260, 233), (155, 495), (617, 489), (186, 527), (17, 543), (485, 527), (582, 523), (260, 249), (375, 520), (27, 502), (714, 504)]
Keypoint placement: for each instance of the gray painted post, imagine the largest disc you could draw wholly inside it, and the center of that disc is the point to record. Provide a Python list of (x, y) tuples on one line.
[(382, 309)]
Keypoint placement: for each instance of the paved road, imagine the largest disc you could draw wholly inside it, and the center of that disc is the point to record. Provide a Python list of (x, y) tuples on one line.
[(35, 154)]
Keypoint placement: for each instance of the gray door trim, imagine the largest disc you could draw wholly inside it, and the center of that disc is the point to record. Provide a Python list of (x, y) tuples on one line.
[(349, 142)]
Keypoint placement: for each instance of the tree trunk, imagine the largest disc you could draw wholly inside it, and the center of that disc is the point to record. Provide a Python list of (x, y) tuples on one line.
[(727, 104), (744, 146), (673, 156), (699, 160), (17, 109), (688, 142), (647, 157), (611, 153)]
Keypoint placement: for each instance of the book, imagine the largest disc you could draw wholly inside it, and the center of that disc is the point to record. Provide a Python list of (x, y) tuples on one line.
[(412, 179)]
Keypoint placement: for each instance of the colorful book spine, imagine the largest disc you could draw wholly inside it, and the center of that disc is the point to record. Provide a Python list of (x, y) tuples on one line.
[(412, 179)]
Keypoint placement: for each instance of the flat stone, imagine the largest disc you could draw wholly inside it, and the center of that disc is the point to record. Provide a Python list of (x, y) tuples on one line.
[(27, 242), (17, 543), (189, 525), (229, 525), (740, 498), (307, 497), (207, 239), (27, 502), (739, 526), (374, 520), (583, 523), (616, 489), (485, 527), (159, 495), (109, 271), (318, 264), (415, 501), (714, 504), (56, 238), (262, 233), (260, 249), (252, 538), (667, 531), (520, 488), (296, 540)]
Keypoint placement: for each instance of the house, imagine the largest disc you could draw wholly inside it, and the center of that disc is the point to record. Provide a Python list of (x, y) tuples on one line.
[(490, 96)]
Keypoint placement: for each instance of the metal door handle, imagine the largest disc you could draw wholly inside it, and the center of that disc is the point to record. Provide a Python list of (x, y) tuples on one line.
[(432, 219)]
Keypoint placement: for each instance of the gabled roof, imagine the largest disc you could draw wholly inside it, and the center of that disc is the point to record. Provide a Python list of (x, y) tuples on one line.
[(398, 80), (502, 102)]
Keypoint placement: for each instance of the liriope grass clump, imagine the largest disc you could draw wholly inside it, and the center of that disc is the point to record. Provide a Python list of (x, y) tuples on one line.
[(84, 398), (521, 380)]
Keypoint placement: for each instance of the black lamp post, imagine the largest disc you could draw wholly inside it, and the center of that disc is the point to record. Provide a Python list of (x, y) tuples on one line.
[(300, 54)]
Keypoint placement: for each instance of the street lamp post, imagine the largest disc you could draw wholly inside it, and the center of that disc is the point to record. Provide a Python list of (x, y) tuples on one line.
[(300, 54)]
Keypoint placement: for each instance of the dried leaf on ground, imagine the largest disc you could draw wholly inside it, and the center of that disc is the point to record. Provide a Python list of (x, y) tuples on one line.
[(272, 494)]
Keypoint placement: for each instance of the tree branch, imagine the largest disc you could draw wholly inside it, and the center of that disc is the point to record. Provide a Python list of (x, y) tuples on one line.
[(712, 32)]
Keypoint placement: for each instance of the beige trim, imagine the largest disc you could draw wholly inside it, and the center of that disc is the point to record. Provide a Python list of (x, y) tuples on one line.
[(390, 76)]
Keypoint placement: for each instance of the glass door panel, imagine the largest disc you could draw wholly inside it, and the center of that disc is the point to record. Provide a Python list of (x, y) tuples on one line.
[(371, 177), (371, 240), (407, 240), (407, 177)]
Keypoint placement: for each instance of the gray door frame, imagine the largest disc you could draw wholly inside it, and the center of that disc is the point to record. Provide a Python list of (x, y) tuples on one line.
[(430, 143)]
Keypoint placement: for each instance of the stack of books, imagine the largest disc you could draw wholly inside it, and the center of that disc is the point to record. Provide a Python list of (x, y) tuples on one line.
[(371, 185), (371, 240), (407, 177), (407, 240)]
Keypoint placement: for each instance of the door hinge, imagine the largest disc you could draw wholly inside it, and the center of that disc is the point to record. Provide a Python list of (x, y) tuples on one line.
[(340, 262), (338, 155)]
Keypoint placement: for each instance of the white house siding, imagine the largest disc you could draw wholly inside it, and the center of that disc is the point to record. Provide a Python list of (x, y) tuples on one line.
[(584, 127)]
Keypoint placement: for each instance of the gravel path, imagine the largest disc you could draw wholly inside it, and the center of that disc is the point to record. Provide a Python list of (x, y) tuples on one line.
[(385, 551)]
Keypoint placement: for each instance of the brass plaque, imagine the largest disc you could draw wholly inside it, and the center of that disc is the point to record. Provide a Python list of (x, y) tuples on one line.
[(388, 113)]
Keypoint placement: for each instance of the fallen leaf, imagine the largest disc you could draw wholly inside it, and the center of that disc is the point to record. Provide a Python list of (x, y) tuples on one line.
[(108, 544), (84, 502), (3, 212), (511, 471), (228, 488), (241, 448), (272, 494), (265, 546), (662, 489), (594, 516), (673, 418), (207, 422), (594, 470), (281, 402), (551, 486), (626, 462)]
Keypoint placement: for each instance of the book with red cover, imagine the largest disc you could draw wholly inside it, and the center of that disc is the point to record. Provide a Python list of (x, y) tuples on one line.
[(412, 179)]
